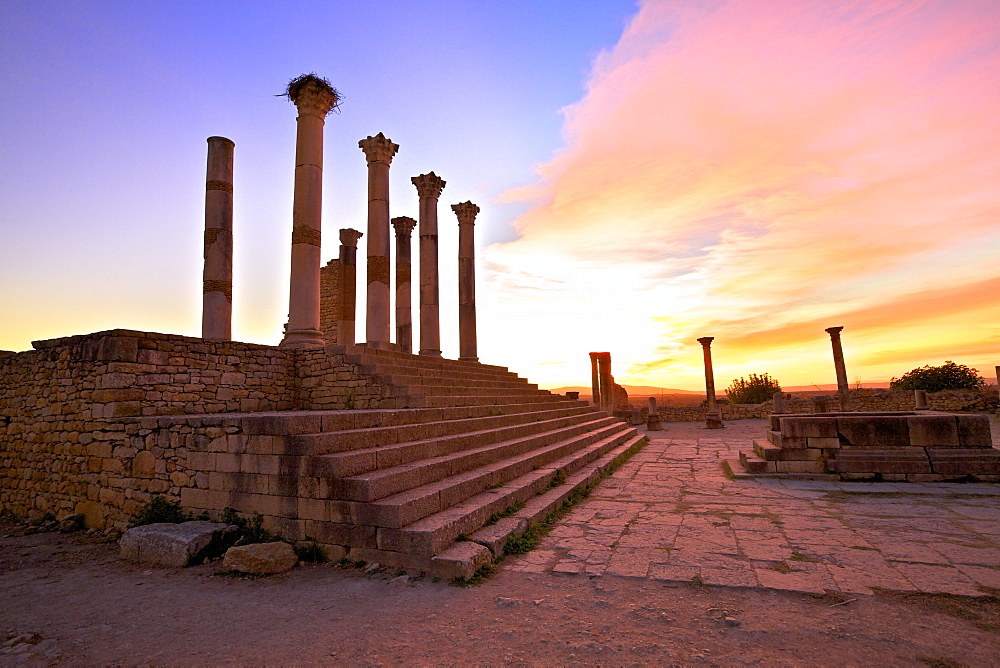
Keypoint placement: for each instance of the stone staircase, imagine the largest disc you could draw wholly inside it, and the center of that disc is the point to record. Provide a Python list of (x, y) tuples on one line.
[(420, 486)]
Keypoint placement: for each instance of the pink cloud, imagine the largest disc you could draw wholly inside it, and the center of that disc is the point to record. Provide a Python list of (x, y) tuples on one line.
[(794, 160)]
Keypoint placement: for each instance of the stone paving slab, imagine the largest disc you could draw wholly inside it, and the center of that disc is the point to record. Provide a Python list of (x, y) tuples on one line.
[(671, 514)]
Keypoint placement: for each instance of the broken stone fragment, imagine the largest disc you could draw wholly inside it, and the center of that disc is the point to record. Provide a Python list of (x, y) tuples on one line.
[(276, 557), (176, 545)]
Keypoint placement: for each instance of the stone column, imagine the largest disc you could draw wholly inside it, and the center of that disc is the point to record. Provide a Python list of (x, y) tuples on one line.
[(467, 348), (843, 389), (314, 99), (595, 380), (778, 402), (997, 372), (429, 187), (607, 382), (379, 151), (348, 285), (712, 418), (653, 417), (404, 317), (217, 283), (920, 400)]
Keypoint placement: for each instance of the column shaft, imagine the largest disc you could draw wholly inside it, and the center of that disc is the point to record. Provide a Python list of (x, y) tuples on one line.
[(404, 299), (467, 346), (595, 380), (314, 99), (217, 283), (429, 188), (843, 389), (713, 419), (348, 285), (379, 152)]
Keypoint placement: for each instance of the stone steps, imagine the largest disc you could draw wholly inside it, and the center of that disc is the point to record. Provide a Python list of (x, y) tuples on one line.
[(461, 456), (349, 440), (444, 401), (458, 380), (434, 533), (466, 390), (389, 368)]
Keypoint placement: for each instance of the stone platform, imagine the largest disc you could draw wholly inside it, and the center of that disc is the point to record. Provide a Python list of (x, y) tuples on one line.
[(671, 514), (889, 446)]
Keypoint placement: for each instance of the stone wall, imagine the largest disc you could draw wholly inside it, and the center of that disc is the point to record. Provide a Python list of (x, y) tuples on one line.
[(861, 400), (72, 413), (329, 299)]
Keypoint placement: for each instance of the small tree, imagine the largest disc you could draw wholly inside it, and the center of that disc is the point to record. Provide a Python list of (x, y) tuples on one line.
[(756, 390), (948, 376)]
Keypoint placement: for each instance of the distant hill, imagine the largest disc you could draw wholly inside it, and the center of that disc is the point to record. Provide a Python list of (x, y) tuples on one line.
[(641, 390)]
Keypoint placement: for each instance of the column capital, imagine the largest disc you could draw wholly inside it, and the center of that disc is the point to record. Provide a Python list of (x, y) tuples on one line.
[(312, 95), (466, 212), (834, 332), (706, 341), (349, 237), (378, 148), (403, 225), (428, 185)]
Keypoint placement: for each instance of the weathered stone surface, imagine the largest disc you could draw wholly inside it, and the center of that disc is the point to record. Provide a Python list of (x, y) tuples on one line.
[(882, 460), (974, 431), (174, 545), (71, 523), (873, 431), (933, 430), (276, 557), (811, 427)]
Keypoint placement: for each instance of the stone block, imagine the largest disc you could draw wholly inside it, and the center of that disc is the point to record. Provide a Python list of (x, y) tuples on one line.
[(787, 466), (461, 560), (495, 537), (175, 545), (791, 442), (800, 455), (933, 430), (974, 431), (874, 431), (144, 465), (809, 427), (825, 443), (262, 558), (881, 460), (965, 461)]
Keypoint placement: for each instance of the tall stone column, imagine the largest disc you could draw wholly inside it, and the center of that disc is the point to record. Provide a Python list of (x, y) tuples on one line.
[(713, 420), (314, 98), (217, 283), (348, 285), (404, 316), (379, 151), (429, 187), (607, 382), (467, 348), (595, 379), (843, 389)]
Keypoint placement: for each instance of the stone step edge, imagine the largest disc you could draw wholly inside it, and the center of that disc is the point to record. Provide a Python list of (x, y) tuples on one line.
[(735, 470), (404, 511), (464, 401), (335, 463), (433, 533), (465, 559), (493, 453), (519, 418)]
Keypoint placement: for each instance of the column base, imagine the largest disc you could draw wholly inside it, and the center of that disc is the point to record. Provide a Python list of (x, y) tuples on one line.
[(714, 422), (431, 353), (468, 359), (302, 338)]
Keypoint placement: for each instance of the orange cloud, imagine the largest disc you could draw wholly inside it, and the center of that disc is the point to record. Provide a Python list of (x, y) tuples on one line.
[(760, 171)]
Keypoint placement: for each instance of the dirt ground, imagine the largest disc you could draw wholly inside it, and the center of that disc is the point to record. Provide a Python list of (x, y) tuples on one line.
[(67, 599)]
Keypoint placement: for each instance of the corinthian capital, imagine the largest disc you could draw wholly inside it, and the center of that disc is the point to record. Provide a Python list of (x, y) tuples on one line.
[(466, 212), (428, 185), (312, 95), (349, 237), (403, 225), (378, 148)]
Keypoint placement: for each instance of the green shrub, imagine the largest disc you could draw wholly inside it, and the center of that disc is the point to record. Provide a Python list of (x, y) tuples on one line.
[(251, 530), (948, 376), (158, 511), (756, 390)]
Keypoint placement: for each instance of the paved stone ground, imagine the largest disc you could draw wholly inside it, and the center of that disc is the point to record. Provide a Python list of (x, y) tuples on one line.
[(671, 514)]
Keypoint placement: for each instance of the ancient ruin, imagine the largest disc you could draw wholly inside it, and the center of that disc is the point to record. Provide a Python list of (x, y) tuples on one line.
[(713, 418), (379, 454)]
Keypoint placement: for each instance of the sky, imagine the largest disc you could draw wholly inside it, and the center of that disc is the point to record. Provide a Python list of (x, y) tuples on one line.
[(648, 173)]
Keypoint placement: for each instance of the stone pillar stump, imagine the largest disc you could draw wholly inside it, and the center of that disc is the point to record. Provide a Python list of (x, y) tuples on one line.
[(217, 283)]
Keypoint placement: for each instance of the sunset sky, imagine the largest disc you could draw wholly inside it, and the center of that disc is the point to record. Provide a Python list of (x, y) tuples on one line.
[(648, 173)]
